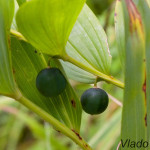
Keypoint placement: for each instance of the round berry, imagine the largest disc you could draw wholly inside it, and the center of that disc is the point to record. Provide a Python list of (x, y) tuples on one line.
[(50, 82), (94, 101)]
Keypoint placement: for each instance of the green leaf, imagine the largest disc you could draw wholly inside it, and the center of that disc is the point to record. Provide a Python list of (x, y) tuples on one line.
[(134, 123), (78, 74), (7, 84), (38, 37), (87, 44), (47, 24), (120, 31), (147, 31), (148, 2), (27, 63), (20, 2), (145, 10), (14, 25)]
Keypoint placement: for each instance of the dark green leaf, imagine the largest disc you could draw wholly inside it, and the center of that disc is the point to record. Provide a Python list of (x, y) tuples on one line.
[(27, 63), (7, 84)]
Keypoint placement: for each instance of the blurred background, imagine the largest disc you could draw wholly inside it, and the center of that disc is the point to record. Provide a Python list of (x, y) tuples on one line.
[(21, 129)]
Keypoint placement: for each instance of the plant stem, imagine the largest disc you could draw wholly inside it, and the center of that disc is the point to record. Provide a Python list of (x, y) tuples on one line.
[(95, 83), (115, 100), (105, 77), (58, 125)]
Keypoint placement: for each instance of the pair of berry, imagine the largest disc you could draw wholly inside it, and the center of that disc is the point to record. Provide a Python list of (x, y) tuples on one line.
[(51, 82)]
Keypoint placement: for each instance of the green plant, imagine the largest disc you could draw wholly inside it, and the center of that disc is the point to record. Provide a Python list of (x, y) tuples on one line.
[(67, 34)]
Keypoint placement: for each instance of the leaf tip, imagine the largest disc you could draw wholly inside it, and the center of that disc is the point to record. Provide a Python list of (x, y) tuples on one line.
[(136, 25)]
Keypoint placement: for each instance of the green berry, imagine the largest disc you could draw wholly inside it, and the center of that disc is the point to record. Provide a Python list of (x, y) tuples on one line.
[(94, 101), (50, 82)]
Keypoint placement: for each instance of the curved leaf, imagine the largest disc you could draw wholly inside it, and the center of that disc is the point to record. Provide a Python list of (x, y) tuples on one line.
[(99, 66), (78, 74), (27, 63), (7, 84), (88, 44), (47, 24)]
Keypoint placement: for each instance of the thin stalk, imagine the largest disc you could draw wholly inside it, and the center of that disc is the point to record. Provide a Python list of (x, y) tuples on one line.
[(115, 100), (95, 83), (54, 122), (105, 77)]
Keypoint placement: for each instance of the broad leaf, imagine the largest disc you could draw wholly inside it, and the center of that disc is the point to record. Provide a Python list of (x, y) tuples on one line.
[(47, 24), (7, 84), (27, 63), (134, 122), (87, 44), (94, 49), (78, 74), (120, 31)]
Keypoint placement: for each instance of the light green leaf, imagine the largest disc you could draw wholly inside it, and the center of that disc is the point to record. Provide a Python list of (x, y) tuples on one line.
[(148, 2), (134, 123), (78, 74), (99, 66), (87, 44), (47, 24), (5, 100), (7, 84), (27, 63), (120, 31)]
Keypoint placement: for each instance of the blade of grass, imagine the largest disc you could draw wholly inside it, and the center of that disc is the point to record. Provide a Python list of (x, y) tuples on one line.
[(134, 124)]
